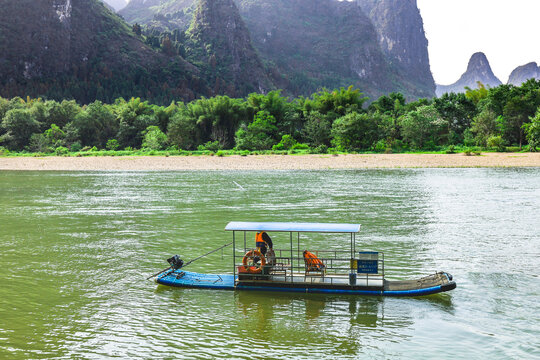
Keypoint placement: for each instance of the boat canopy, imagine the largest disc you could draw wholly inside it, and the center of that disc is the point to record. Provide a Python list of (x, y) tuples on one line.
[(292, 227)]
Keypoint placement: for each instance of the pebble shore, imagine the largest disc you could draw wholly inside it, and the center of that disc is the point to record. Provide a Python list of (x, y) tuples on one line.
[(269, 162)]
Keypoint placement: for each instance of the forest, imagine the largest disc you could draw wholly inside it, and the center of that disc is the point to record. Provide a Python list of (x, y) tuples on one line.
[(503, 118)]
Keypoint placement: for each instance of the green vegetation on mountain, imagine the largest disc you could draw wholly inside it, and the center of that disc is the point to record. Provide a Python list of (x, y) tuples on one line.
[(219, 42), (338, 120), (79, 49)]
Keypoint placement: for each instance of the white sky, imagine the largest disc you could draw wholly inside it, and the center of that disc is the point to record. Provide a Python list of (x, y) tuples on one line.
[(507, 31)]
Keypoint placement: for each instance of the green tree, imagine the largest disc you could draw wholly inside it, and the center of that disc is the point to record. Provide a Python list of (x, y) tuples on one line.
[(336, 103), (61, 113), (39, 143), (532, 131), (55, 136), (218, 118), (423, 127), (458, 111), (392, 104), (354, 132), (134, 116), (19, 125), (183, 130), (519, 108), (478, 94), (317, 129), (284, 112), (261, 134), (484, 126), (154, 138), (95, 125)]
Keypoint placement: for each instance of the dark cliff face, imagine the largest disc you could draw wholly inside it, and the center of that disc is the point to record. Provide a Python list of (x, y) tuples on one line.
[(311, 44), (69, 48), (400, 31), (478, 70), (219, 38), (523, 73), (300, 46)]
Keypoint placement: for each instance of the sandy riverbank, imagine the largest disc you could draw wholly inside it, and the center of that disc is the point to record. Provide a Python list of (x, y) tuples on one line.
[(271, 162)]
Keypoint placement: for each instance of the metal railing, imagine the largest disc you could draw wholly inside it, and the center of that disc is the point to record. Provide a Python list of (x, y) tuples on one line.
[(290, 266)]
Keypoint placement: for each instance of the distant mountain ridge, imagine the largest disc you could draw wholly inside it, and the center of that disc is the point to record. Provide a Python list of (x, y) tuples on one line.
[(80, 49), (478, 70), (309, 44), (523, 73)]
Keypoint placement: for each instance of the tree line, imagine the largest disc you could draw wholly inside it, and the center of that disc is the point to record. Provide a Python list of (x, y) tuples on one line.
[(341, 119)]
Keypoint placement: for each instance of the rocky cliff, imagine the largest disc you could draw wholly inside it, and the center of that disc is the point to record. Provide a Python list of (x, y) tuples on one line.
[(524, 73), (400, 32), (477, 70), (220, 40), (309, 44), (80, 49)]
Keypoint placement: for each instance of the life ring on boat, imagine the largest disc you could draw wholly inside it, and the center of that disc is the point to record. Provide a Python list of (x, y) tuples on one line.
[(254, 268)]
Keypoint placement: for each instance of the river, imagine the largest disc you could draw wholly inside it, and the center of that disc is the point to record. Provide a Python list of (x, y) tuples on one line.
[(75, 248)]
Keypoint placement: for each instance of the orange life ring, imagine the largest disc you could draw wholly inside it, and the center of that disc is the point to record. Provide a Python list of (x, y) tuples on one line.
[(254, 269)]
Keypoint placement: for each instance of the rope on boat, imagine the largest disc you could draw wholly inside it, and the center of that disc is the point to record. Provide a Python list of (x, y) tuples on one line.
[(189, 262), (208, 253)]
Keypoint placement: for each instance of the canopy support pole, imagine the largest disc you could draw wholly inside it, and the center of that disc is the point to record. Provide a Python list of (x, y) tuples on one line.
[(234, 257)]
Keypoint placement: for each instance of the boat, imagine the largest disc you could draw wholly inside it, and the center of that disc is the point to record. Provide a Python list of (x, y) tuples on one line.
[(257, 265)]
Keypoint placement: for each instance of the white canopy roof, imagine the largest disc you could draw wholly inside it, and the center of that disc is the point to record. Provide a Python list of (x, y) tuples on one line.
[(292, 227)]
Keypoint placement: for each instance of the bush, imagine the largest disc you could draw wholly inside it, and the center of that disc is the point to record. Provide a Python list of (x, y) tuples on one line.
[(154, 138), (451, 150), (300, 146), (496, 142), (220, 153), (76, 146), (3, 151), (211, 146), (39, 143), (61, 151), (286, 143), (380, 146), (321, 149), (112, 144)]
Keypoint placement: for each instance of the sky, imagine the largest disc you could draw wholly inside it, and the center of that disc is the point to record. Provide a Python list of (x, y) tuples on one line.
[(507, 31)]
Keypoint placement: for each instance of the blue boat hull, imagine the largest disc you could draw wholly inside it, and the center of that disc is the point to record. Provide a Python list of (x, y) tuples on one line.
[(187, 279)]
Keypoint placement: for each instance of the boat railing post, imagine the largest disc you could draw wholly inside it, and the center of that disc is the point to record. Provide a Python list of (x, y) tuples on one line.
[(292, 264), (245, 244), (234, 257)]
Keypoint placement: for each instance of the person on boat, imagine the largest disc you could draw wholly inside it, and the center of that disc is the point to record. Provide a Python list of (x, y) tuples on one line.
[(313, 263), (266, 247)]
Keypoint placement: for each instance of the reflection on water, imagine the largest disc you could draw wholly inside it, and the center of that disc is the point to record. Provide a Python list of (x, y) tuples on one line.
[(75, 249)]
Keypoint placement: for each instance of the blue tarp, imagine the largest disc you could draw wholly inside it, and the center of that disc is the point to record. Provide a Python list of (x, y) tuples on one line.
[(292, 226)]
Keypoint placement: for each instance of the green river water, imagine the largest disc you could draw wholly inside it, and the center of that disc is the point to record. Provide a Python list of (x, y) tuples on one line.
[(75, 248)]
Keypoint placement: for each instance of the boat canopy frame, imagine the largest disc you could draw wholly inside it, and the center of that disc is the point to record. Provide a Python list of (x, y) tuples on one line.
[(291, 227)]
